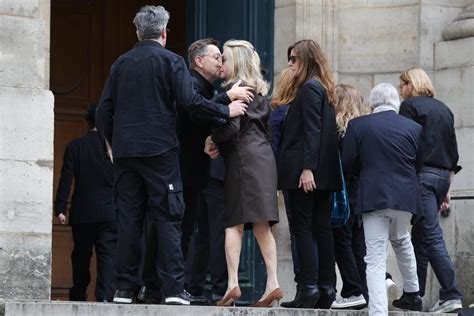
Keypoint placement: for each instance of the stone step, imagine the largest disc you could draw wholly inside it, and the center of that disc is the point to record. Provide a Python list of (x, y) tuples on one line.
[(57, 308)]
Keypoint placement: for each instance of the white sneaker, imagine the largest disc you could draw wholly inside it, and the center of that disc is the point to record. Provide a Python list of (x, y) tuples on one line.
[(349, 302), (392, 291), (448, 306)]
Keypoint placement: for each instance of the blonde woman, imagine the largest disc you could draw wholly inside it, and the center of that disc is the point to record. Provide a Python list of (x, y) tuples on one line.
[(250, 182), (440, 158), (349, 242)]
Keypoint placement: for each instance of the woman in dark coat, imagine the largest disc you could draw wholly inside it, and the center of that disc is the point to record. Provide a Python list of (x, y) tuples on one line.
[(250, 181), (308, 167)]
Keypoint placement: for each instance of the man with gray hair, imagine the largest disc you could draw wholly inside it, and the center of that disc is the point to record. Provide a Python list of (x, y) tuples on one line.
[(137, 116), (383, 150)]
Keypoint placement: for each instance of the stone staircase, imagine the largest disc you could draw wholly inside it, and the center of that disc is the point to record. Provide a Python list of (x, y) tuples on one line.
[(58, 308)]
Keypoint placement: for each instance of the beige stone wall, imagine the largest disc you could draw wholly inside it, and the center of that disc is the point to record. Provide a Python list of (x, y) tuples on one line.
[(26, 150), (373, 41)]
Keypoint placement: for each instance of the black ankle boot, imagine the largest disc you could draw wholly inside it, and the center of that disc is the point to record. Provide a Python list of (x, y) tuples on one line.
[(306, 297), (327, 296)]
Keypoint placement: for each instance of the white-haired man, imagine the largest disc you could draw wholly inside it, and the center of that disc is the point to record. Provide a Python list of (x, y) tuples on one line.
[(137, 116), (382, 148)]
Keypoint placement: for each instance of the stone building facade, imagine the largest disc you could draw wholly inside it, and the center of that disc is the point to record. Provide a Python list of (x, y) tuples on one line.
[(373, 41), (367, 41)]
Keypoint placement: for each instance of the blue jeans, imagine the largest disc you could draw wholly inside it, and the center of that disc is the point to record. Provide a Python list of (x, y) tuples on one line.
[(427, 236)]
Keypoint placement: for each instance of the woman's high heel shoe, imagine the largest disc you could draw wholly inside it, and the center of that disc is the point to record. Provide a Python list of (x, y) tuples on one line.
[(230, 298), (275, 296)]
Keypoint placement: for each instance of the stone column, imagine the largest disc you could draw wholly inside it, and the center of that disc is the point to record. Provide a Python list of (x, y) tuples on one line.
[(26, 150), (462, 26), (454, 75)]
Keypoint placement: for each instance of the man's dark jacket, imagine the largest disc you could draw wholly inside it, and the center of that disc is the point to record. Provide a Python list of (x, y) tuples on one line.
[(192, 132), (384, 149), (137, 110), (92, 200)]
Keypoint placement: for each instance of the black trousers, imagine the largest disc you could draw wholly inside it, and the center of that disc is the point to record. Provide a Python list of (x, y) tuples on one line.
[(193, 199), (311, 224), (209, 243), (349, 243), (102, 236), (151, 187)]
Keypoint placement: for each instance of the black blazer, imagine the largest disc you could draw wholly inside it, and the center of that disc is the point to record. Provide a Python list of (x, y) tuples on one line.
[(192, 131), (384, 149), (309, 140), (92, 200)]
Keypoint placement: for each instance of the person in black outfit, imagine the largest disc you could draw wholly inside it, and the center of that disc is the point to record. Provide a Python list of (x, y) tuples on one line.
[(308, 167), (440, 158), (137, 117), (205, 62), (349, 242), (92, 215)]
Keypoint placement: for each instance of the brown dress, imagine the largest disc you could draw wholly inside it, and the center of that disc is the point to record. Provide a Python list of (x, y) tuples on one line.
[(250, 182)]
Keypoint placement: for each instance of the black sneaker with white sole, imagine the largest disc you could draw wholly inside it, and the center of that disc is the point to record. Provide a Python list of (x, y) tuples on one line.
[(124, 297), (410, 302), (182, 298)]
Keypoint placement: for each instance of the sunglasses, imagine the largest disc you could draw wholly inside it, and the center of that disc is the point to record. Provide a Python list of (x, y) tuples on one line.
[(292, 59)]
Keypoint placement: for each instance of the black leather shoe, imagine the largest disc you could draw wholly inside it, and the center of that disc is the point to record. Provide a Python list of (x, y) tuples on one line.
[(327, 295), (307, 296), (409, 302), (150, 295), (124, 296)]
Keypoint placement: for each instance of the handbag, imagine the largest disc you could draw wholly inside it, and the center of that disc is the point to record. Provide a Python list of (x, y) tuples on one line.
[(340, 209)]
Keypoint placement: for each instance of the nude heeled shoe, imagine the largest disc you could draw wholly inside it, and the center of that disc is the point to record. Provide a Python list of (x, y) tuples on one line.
[(275, 296), (230, 298)]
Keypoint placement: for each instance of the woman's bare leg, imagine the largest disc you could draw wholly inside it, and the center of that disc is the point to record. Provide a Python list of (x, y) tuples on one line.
[(233, 245), (266, 242)]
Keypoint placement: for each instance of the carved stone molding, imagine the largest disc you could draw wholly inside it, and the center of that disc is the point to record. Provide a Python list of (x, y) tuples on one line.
[(462, 26)]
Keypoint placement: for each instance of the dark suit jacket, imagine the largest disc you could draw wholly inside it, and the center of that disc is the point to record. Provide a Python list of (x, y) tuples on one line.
[(192, 131), (137, 110), (384, 149), (92, 200), (309, 140)]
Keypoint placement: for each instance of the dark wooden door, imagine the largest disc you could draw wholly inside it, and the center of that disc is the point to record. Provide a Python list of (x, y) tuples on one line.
[(86, 38), (250, 20)]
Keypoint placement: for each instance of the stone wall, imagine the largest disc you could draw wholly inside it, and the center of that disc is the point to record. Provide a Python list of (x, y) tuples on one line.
[(373, 41), (26, 150)]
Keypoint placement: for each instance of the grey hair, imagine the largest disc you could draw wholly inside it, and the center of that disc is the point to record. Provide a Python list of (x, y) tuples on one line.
[(384, 94), (151, 21)]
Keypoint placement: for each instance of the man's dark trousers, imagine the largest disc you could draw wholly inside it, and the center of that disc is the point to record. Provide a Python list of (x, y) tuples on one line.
[(209, 242), (102, 236), (427, 236), (149, 186)]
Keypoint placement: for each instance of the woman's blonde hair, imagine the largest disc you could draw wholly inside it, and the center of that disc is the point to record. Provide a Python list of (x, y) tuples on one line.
[(244, 64), (350, 104), (313, 64), (421, 83), (282, 95)]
